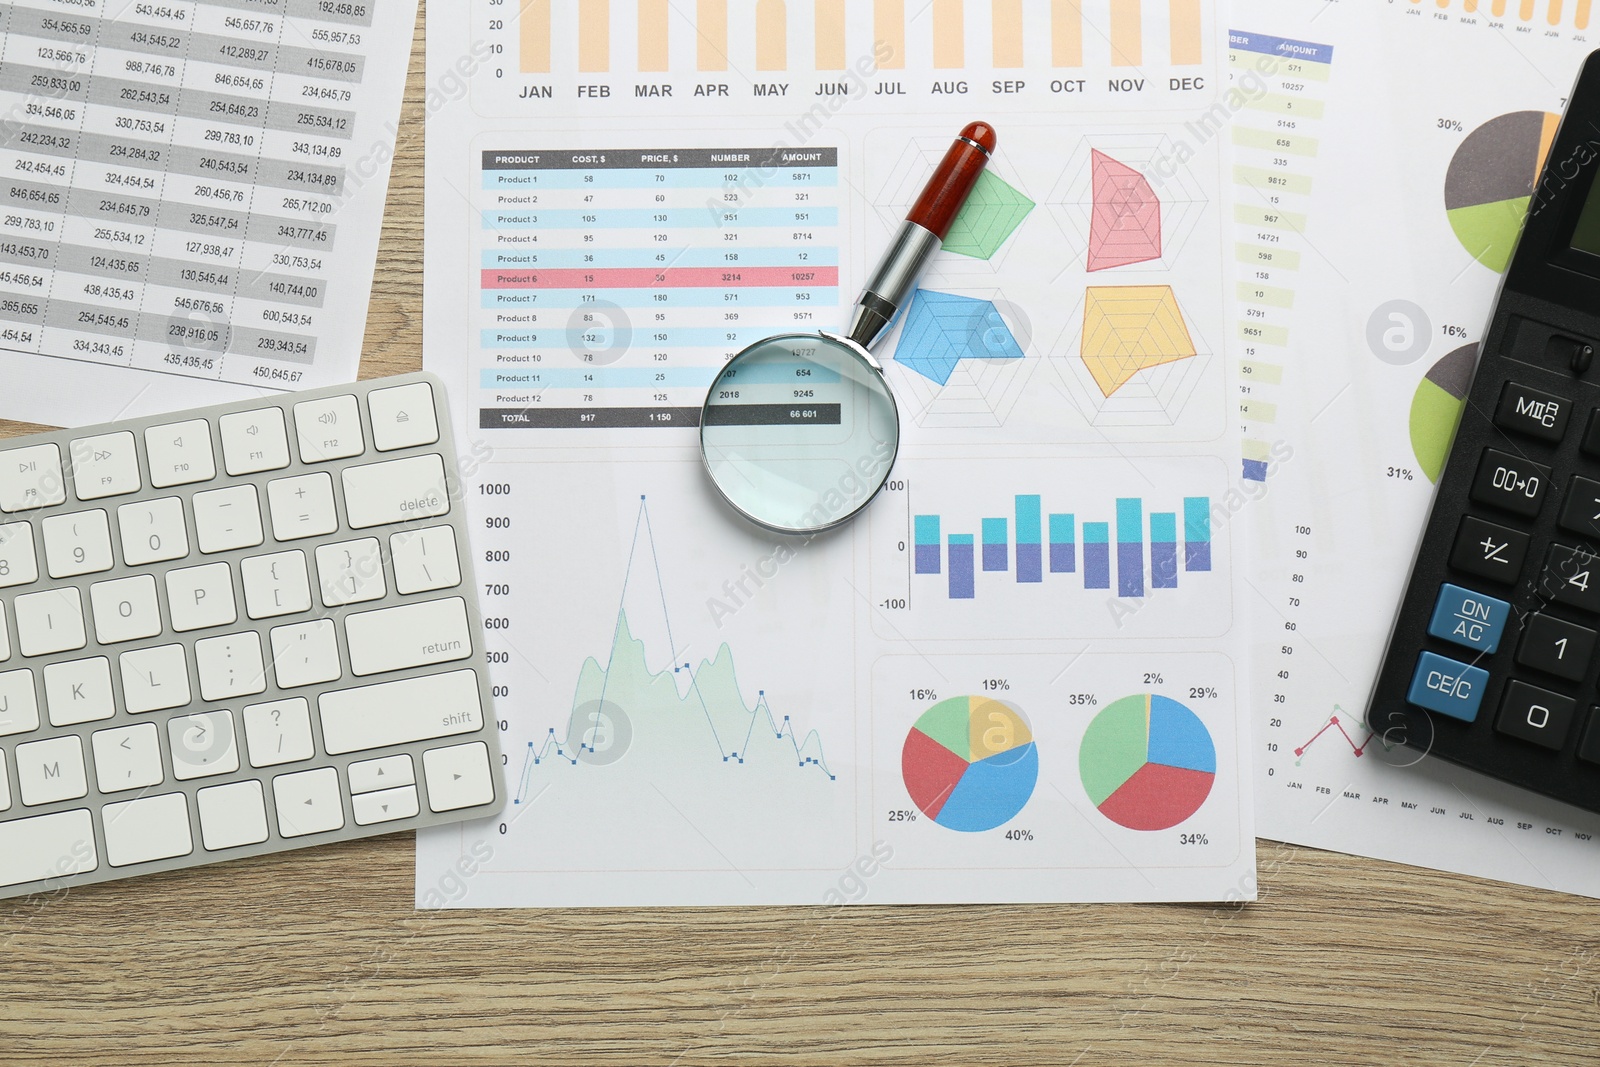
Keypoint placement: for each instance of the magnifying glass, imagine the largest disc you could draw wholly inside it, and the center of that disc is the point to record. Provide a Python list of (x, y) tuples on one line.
[(800, 431)]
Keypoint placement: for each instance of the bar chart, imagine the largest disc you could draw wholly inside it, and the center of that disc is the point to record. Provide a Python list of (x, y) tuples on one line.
[(1545, 12), (1149, 553), (623, 36)]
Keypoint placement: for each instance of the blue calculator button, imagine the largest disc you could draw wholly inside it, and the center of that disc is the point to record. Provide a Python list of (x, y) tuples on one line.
[(1450, 688), (1469, 619)]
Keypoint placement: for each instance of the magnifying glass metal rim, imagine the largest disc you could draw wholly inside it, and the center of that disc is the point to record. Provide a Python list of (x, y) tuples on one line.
[(861, 353)]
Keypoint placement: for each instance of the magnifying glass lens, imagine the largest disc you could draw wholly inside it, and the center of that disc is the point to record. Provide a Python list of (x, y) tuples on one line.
[(799, 431)]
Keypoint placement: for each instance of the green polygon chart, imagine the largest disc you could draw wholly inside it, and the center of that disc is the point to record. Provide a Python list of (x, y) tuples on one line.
[(991, 215)]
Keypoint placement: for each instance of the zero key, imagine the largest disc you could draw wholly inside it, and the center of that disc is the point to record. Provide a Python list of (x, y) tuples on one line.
[(1511, 482)]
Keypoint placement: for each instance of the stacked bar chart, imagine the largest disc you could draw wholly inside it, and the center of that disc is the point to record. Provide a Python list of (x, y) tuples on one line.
[(799, 35), (1147, 555)]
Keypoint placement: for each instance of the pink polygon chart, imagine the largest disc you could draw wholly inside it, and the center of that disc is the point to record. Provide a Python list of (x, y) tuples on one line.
[(1125, 222)]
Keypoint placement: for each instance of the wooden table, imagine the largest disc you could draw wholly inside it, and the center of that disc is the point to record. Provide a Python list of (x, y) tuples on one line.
[(319, 957)]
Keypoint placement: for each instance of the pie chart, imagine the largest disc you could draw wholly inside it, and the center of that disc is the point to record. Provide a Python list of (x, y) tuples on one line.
[(1436, 408), (1491, 180), (970, 763), (1147, 762)]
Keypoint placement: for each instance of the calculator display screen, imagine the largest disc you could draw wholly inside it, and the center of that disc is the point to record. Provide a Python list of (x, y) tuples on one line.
[(1586, 234)]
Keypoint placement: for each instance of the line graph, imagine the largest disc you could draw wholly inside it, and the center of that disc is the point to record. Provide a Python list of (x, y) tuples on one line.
[(701, 707), (1333, 723)]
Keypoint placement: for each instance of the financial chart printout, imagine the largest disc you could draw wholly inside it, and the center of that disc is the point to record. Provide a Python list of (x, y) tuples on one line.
[(1020, 674), (192, 196), (1383, 164)]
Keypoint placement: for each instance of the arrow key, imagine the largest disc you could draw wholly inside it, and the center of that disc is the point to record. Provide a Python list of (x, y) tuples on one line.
[(386, 805), (371, 775), (458, 776), (308, 802)]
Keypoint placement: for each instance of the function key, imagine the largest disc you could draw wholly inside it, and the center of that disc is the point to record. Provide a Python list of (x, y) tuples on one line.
[(180, 453), (1589, 747), (402, 417), (254, 441), (1510, 482), (1450, 688), (1572, 576), (1556, 646), (1581, 511), (329, 428), (31, 478), (1535, 715), (107, 465), (1532, 412), (1591, 435), (1488, 550), (1469, 619)]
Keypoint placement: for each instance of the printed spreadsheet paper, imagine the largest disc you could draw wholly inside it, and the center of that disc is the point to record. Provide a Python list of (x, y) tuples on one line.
[(1021, 674), (1369, 250), (192, 196)]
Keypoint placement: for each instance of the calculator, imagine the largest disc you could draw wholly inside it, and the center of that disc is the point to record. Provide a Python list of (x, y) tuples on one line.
[(1493, 661)]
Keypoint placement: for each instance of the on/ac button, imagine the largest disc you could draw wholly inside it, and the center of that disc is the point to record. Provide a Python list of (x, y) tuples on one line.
[(1532, 412)]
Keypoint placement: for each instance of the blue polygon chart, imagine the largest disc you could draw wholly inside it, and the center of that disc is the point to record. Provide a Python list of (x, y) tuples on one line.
[(942, 329)]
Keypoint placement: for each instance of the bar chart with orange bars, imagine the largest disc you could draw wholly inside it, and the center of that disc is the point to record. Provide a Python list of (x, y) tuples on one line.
[(661, 36), (1573, 14)]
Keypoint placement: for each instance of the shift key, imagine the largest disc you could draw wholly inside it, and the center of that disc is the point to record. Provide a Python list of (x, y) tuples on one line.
[(395, 491), (412, 635), (396, 713)]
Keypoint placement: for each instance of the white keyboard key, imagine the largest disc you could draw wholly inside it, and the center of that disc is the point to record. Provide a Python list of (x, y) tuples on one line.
[(225, 519), (412, 635), (152, 531), (349, 572), (78, 690), (302, 507), (254, 441), (154, 679), (31, 478), (278, 732), (5, 785), (5, 639), (275, 584), (128, 757), (230, 666), (125, 609), (402, 417), (107, 465), (369, 776), (199, 597), (77, 544), (329, 428), (47, 846), (308, 802), (394, 713), (18, 565), (387, 806), (51, 770), (51, 621), (19, 704), (202, 745), (232, 815), (424, 559), (180, 453), (458, 777), (395, 491), (146, 829), (305, 653)]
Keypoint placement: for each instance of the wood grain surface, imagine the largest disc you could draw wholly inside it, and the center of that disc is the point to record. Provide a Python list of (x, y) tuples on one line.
[(317, 957)]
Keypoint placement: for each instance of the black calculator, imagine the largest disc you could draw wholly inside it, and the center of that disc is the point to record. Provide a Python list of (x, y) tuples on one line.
[(1494, 661)]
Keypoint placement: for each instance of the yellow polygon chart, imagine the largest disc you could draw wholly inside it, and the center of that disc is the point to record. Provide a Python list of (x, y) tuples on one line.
[(1130, 328)]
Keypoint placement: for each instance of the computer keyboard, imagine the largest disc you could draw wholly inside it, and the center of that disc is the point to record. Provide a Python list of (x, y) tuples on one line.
[(236, 630)]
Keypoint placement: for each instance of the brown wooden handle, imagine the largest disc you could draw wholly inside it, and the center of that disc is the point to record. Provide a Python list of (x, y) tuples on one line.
[(951, 183)]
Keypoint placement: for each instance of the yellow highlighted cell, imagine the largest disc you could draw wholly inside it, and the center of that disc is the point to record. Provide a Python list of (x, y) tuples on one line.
[(1273, 141), (1258, 411), (1254, 371), (1266, 180), (1269, 295), (1263, 334), (1271, 217)]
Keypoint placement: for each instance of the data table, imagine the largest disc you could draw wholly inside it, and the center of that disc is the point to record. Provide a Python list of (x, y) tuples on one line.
[(176, 176), (615, 283)]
